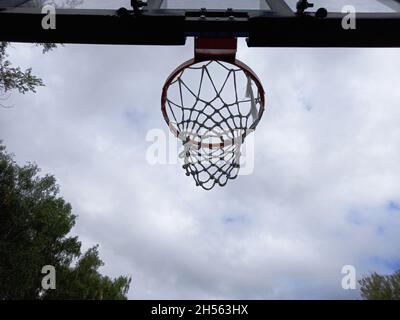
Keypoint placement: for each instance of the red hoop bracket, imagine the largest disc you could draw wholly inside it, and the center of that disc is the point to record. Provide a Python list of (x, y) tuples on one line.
[(222, 49)]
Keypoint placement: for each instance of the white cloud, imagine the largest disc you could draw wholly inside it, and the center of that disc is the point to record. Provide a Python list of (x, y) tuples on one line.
[(328, 146)]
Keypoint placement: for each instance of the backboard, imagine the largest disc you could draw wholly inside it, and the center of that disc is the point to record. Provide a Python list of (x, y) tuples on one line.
[(267, 23)]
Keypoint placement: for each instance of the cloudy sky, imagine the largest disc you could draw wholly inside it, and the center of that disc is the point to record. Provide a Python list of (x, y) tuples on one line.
[(324, 192)]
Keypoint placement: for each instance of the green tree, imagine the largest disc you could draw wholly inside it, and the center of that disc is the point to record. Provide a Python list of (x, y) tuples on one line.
[(381, 287), (13, 78), (85, 282), (34, 226)]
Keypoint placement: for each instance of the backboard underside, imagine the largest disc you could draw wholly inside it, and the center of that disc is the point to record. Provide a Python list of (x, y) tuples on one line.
[(265, 23)]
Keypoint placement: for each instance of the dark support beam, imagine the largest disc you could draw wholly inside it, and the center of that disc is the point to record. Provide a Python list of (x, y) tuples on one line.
[(162, 27), (93, 27), (372, 30)]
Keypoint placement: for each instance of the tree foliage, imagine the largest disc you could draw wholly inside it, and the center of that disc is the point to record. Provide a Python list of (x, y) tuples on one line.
[(13, 78), (34, 226), (381, 287), (84, 281)]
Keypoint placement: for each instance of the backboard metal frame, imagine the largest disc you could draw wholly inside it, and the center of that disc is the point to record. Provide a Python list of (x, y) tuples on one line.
[(277, 27)]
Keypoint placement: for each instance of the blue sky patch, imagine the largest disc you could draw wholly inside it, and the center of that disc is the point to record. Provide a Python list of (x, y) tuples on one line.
[(393, 206)]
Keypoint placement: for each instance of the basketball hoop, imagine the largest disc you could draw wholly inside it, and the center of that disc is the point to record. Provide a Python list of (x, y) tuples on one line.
[(210, 103)]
